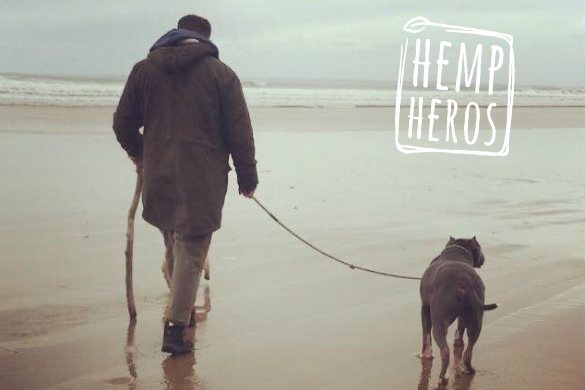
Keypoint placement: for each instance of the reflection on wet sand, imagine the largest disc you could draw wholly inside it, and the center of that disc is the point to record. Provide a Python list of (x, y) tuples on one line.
[(459, 379), (129, 354), (425, 374), (462, 379), (178, 371)]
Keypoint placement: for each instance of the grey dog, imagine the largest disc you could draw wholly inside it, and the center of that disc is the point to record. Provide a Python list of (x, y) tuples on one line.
[(451, 289)]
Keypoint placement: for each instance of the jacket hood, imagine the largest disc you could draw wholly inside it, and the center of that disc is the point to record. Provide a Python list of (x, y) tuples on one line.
[(176, 35), (177, 58)]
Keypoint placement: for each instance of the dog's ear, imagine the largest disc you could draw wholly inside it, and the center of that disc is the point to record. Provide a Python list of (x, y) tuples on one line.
[(474, 240), (451, 240), (479, 258)]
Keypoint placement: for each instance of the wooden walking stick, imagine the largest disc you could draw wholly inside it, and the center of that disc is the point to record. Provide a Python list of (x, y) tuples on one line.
[(130, 243)]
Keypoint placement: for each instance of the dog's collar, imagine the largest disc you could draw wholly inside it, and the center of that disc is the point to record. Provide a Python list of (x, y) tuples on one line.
[(462, 248)]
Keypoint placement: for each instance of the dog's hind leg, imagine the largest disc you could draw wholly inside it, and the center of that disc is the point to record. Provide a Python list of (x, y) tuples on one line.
[(427, 346), (168, 263), (458, 342), (169, 257), (440, 334), (206, 269), (473, 331)]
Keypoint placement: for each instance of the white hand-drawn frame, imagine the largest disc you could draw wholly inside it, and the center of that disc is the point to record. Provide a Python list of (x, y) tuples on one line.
[(417, 25)]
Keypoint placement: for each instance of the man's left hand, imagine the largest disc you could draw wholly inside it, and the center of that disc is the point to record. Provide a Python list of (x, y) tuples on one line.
[(137, 162)]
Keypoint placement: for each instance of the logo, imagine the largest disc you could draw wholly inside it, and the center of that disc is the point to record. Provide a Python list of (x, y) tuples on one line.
[(467, 108)]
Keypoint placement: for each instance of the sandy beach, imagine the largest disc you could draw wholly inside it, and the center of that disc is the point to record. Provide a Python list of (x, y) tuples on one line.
[(280, 315)]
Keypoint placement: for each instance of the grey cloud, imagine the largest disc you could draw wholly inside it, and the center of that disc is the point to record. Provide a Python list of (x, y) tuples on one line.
[(288, 39)]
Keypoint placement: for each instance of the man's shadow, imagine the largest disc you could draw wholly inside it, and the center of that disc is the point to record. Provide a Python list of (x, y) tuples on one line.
[(458, 380), (179, 372)]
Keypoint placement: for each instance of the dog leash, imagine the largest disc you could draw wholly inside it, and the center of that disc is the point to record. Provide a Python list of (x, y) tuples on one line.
[(352, 266)]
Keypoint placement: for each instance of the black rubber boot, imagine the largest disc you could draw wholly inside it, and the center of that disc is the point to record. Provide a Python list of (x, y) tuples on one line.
[(173, 340)]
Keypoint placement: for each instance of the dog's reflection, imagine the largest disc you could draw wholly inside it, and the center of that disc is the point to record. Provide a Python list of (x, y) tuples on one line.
[(425, 374), (459, 380), (462, 380)]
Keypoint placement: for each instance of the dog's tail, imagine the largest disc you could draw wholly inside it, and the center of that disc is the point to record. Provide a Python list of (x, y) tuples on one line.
[(463, 290)]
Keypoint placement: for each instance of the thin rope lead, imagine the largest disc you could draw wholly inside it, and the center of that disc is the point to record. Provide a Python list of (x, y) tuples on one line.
[(352, 266)]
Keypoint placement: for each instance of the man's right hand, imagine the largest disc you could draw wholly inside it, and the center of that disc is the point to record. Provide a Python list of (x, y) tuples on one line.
[(249, 194)]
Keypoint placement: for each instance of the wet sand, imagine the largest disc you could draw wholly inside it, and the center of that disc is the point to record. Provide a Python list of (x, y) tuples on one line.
[(281, 316)]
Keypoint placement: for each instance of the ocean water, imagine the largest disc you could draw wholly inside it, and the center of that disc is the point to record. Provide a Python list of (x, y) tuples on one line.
[(44, 90)]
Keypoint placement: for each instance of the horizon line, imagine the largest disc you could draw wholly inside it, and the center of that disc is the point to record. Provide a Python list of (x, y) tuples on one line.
[(121, 78)]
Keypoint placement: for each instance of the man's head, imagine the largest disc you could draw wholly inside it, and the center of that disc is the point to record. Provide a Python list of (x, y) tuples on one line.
[(195, 23)]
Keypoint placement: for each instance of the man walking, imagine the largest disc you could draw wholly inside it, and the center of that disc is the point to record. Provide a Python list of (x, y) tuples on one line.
[(194, 115)]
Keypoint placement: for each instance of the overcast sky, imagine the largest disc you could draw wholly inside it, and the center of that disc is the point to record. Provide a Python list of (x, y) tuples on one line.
[(333, 39)]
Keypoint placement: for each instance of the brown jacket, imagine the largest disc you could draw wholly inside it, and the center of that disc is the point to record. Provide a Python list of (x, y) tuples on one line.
[(194, 115)]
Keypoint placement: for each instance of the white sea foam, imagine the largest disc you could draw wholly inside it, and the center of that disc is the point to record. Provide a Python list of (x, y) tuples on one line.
[(38, 90)]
